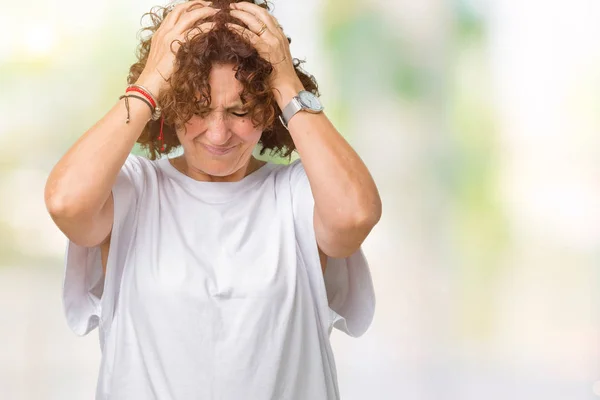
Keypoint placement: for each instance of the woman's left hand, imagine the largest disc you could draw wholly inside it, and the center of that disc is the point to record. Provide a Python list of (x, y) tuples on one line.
[(267, 37)]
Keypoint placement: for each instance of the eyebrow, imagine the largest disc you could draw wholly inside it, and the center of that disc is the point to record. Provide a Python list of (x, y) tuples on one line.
[(234, 106)]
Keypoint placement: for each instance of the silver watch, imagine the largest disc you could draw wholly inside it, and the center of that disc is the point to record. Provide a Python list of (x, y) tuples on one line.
[(304, 101)]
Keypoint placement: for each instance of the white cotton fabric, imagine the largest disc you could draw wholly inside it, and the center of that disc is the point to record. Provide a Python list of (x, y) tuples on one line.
[(215, 290)]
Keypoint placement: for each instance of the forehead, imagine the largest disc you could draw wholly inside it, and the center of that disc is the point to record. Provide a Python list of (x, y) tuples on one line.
[(225, 89)]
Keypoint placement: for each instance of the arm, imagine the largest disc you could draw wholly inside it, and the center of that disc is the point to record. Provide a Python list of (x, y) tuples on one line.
[(78, 190), (347, 202)]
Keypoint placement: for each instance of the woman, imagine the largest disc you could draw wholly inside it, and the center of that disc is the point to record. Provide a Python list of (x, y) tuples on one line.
[(213, 275)]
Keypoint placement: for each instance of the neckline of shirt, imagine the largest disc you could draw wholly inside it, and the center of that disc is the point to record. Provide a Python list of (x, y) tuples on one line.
[(215, 190)]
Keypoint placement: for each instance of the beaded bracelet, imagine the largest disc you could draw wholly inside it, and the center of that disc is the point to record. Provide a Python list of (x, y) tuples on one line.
[(140, 89), (161, 136), (148, 95)]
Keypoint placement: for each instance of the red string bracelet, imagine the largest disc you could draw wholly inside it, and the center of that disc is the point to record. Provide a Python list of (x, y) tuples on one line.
[(146, 94), (156, 110), (151, 101), (161, 137)]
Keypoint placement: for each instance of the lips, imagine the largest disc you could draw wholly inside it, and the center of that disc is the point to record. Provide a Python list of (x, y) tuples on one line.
[(219, 151)]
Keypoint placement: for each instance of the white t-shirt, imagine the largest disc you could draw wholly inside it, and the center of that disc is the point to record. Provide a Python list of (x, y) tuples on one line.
[(214, 290)]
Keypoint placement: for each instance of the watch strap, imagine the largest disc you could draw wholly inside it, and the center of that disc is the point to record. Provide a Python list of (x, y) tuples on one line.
[(293, 107)]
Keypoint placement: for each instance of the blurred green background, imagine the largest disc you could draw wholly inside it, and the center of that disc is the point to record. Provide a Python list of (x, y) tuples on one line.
[(479, 121)]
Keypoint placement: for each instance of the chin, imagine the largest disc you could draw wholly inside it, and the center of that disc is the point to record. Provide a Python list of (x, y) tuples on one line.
[(220, 165)]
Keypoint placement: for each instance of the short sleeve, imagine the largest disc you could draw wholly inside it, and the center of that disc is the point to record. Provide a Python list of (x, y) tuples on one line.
[(86, 290), (348, 283)]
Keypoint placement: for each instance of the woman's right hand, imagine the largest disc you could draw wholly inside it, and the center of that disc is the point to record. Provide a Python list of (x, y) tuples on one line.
[(177, 26)]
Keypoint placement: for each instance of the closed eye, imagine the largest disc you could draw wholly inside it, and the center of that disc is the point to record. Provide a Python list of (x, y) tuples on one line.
[(204, 113)]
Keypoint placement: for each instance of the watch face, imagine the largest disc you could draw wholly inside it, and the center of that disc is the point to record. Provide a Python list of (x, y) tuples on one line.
[(310, 100)]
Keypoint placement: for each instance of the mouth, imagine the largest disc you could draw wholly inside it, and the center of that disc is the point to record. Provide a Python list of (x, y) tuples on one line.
[(218, 151)]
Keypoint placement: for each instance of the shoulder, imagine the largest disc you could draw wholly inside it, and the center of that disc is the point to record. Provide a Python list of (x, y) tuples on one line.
[(137, 173), (287, 177), (290, 172), (293, 179), (139, 167), (139, 164)]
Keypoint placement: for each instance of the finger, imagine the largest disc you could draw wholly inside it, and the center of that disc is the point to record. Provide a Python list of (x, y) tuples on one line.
[(272, 25), (262, 14), (176, 11), (199, 5), (189, 18), (199, 30), (252, 22), (190, 34), (244, 32)]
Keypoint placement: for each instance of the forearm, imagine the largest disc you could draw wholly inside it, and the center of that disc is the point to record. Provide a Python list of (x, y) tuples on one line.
[(345, 194), (82, 180)]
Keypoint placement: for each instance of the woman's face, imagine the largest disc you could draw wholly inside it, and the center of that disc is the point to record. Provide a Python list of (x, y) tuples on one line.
[(220, 142)]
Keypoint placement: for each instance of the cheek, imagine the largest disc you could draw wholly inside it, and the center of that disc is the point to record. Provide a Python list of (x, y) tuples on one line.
[(246, 131), (191, 130)]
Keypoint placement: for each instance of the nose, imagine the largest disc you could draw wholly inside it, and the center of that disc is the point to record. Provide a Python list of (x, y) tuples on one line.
[(217, 132)]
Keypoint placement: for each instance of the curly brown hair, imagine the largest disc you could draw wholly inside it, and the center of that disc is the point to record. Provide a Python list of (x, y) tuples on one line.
[(193, 63)]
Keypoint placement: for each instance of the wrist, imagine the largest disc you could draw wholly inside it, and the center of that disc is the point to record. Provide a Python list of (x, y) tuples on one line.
[(286, 92), (153, 84)]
